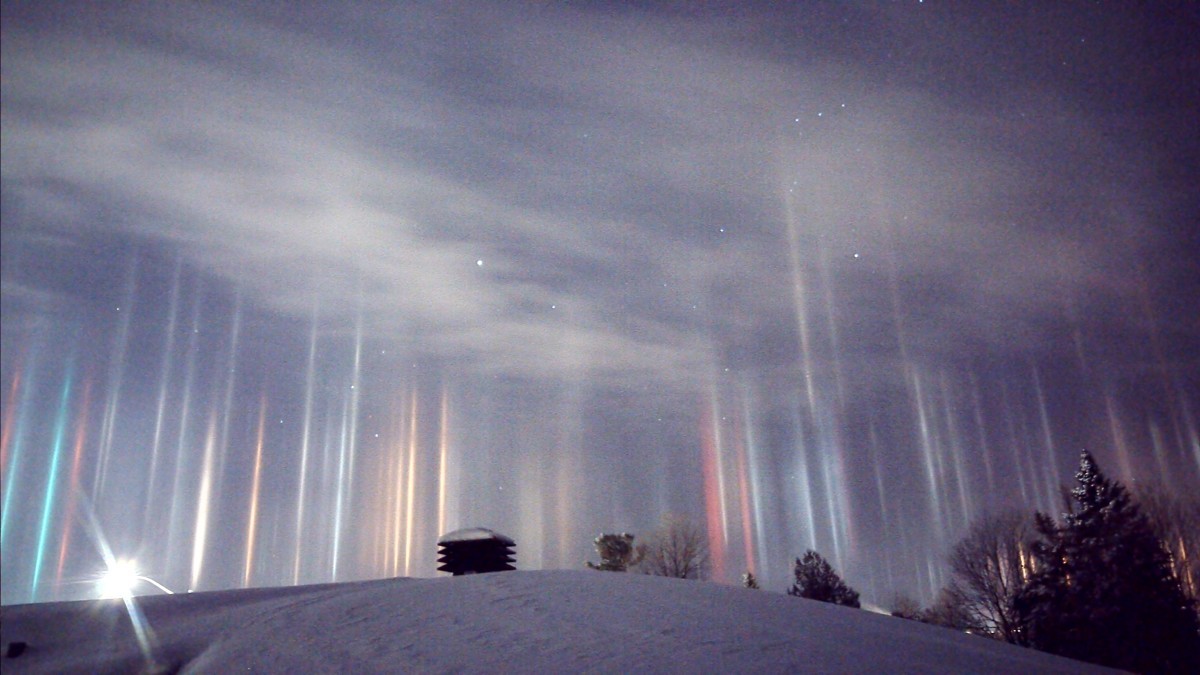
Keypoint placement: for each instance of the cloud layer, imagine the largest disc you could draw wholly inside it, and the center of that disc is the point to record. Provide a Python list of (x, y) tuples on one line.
[(557, 189)]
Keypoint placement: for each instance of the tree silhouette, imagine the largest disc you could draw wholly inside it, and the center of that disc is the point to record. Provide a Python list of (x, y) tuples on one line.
[(1103, 590), (990, 565), (816, 580), (617, 553), (1176, 521), (678, 548)]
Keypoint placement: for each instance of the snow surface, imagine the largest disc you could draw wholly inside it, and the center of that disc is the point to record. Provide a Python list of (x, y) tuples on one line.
[(538, 621)]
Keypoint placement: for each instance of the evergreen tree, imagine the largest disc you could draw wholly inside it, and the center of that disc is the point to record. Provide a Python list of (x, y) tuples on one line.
[(1103, 590), (749, 580), (617, 552), (816, 580), (1176, 520)]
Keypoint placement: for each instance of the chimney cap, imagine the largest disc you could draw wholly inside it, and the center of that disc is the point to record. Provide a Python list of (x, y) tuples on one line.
[(474, 534)]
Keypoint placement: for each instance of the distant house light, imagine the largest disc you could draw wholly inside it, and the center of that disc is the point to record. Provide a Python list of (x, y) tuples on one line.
[(475, 550)]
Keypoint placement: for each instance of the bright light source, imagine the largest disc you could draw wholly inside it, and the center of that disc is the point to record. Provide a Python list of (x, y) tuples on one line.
[(119, 580)]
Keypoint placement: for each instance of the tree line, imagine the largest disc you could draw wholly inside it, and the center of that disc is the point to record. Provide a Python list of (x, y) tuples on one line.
[(679, 549), (1113, 582)]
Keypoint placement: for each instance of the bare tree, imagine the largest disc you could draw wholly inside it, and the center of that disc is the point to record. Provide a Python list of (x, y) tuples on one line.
[(905, 607), (948, 611), (678, 548), (990, 565), (1176, 521)]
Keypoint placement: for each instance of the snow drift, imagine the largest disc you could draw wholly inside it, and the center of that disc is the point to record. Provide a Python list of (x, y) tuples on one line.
[(542, 621)]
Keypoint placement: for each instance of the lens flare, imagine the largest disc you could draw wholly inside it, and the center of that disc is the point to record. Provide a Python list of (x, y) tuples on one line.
[(118, 580)]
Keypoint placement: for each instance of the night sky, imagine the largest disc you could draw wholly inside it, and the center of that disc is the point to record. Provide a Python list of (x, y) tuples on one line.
[(290, 291)]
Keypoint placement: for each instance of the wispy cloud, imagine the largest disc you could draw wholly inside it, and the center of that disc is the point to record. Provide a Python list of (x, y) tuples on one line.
[(559, 190)]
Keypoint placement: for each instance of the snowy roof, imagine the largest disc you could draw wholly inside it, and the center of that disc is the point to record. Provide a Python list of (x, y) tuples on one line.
[(474, 534), (540, 621)]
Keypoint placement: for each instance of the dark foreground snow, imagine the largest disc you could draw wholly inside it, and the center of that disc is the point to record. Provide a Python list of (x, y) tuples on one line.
[(545, 622)]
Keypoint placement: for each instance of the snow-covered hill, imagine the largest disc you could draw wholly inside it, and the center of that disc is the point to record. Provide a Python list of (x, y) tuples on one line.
[(544, 622)]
